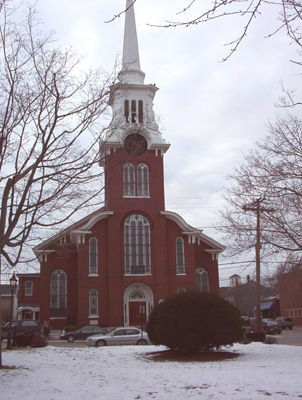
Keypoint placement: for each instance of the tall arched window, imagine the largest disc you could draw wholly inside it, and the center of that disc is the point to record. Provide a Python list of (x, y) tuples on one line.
[(137, 245), (143, 180), (202, 280), (93, 255), (126, 110), (129, 179), (58, 293), (180, 256), (93, 303), (140, 112), (133, 111)]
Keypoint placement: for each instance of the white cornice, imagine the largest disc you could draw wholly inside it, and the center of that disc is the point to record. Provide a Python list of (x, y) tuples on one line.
[(194, 235), (81, 228), (96, 218), (42, 254)]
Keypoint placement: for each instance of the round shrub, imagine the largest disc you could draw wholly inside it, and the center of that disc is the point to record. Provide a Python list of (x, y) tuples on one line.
[(193, 322)]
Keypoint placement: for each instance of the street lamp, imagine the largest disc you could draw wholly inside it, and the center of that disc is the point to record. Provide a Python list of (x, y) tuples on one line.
[(13, 284)]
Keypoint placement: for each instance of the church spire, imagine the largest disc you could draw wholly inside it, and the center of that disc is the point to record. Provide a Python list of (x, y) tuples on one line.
[(131, 70)]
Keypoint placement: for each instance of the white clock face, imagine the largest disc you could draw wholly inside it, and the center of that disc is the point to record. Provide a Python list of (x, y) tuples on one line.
[(135, 144)]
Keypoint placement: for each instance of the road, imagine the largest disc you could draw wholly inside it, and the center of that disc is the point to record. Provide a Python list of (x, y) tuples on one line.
[(291, 337), (288, 337)]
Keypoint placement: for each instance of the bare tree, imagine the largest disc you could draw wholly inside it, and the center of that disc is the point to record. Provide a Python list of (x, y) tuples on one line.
[(289, 16), (50, 130), (195, 12), (273, 173)]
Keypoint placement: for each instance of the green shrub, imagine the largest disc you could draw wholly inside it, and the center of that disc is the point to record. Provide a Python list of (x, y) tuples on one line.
[(193, 322)]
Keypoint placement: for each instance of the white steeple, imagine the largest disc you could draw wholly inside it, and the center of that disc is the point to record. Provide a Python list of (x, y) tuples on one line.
[(131, 70), (131, 99)]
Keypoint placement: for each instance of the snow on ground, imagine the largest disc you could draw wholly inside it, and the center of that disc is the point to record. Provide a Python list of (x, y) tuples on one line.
[(125, 373)]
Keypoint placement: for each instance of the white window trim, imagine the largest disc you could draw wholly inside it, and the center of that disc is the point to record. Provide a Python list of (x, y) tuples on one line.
[(96, 256), (182, 267), (97, 304), (31, 289)]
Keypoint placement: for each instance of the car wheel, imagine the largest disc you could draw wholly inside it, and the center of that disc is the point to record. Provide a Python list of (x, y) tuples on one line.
[(70, 338), (141, 342), (100, 343)]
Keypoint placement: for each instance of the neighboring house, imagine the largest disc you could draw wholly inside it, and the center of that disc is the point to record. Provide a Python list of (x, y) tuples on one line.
[(28, 296), (290, 292), (243, 296), (5, 303), (113, 266)]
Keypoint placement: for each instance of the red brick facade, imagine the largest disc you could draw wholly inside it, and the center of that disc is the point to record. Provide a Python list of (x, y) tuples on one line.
[(290, 293), (117, 290), (112, 267)]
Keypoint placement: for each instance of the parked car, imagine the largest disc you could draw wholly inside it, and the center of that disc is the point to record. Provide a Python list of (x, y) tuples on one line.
[(271, 327), (23, 327), (246, 324), (285, 322), (119, 336), (83, 333), (252, 323)]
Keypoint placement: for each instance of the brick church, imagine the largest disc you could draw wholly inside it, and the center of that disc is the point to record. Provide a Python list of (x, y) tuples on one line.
[(113, 266)]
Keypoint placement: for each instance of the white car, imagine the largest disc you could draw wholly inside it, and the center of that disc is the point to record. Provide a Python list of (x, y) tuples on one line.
[(120, 336)]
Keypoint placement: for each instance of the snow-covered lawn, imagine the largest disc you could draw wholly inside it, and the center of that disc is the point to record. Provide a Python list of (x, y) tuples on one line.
[(127, 373)]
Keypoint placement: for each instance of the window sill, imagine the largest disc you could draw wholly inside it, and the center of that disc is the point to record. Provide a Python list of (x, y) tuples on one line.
[(93, 316), (136, 197), (181, 273), (95, 275), (127, 274)]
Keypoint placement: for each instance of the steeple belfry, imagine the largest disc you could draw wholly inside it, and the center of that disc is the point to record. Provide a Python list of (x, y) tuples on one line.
[(131, 70), (131, 99)]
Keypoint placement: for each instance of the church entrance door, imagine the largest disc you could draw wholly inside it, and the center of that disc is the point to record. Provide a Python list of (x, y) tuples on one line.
[(137, 313)]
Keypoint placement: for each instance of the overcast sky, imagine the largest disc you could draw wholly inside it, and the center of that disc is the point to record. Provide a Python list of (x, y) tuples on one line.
[(211, 112)]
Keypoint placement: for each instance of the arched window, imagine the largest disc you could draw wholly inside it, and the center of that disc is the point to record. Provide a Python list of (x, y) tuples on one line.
[(58, 293), (202, 280), (129, 179), (93, 303), (140, 112), (93, 255), (133, 111), (180, 256), (137, 245), (126, 110), (143, 180)]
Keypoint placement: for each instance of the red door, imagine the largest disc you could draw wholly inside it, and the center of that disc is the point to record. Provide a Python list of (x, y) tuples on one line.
[(137, 313)]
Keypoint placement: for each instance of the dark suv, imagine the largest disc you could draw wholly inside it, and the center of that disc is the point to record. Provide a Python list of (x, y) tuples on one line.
[(24, 328)]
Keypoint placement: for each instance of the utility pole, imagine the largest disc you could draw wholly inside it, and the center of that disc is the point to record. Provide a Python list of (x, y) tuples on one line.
[(255, 207)]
